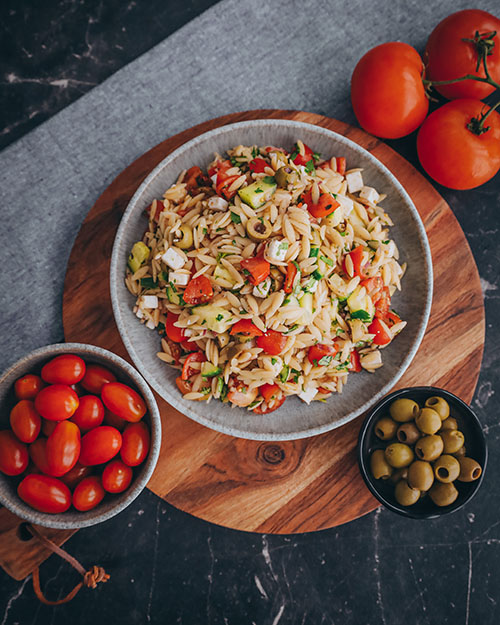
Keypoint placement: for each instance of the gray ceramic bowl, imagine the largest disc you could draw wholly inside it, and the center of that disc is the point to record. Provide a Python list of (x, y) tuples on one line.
[(112, 504), (297, 420)]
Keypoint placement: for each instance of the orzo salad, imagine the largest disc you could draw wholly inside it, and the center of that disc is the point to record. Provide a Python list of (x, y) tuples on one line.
[(269, 275)]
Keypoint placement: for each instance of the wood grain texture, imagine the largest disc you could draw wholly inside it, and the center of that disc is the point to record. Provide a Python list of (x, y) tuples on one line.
[(295, 486)]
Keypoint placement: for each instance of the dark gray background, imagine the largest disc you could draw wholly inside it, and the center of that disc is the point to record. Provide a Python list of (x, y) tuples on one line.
[(166, 566)]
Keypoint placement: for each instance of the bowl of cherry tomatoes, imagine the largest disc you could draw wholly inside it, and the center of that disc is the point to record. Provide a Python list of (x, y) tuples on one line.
[(80, 435)]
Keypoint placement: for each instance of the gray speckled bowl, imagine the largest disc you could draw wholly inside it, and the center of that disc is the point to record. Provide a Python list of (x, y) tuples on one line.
[(112, 504), (296, 419)]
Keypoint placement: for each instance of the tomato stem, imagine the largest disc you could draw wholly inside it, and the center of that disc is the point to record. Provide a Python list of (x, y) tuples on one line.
[(476, 124)]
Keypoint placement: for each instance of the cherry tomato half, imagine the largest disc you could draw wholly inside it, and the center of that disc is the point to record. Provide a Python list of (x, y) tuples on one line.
[(63, 448), (265, 408), (272, 342), (116, 476), (45, 493), (100, 445), (28, 386), (387, 93), (321, 355), (64, 369), (56, 402), (173, 332), (89, 414), (25, 421), (381, 336), (198, 291), (136, 441), (96, 377), (88, 493), (123, 401), (257, 269), (76, 475), (38, 454), (13, 454)]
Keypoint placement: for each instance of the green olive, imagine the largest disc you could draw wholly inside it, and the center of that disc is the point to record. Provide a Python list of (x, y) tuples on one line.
[(408, 433), (259, 230), (446, 468), (470, 470), (185, 240), (406, 495), (380, 469), (385, 428), (453, 440), (429, 447), (428, 421), (398, 455), (286, 176), (404, 410), (449, 424), (443, 494), (400, 474), (420, 475), (460, 452), (440, 405)]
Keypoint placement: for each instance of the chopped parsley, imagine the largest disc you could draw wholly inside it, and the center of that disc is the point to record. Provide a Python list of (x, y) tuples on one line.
[(316, 156), (324, 361), (360, 314), (149, 283), (219, 317), (221, 255), (255, 151), (386, 242), (235, 218), (163, 275), (274, 361), (317, 275), (310, 167), (314, 252), (294, 327), (295, 153), (161, 328), (205, 391)]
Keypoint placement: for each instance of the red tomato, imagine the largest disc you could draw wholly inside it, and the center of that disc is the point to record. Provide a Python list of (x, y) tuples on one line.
[(392, 318), (65, 369), (448, 56), (382, 301), (356, 256), (88, 493), (272, 342), (48, 426), (13, 454), (241, 396), (451, 153), (116, 476), (89, 414), (321, 355), (291, 274), (57, 402), (96, 377), (198, 291), (326, 204), (355, 362), (245, 327), (257, 269), (75, 475), (372, 285), (123, 401), (173, 332), (187, 370), (25, 421), (381, 337), (63, 448), (38, 455), (114, 420), (265, 408), (270, 392), (258, 165), (387, 93), (45, 493), (154, 209), (28, 386), (305, 158), (195, 178), (219, 168), (100, 445), (183, 385), (341, 164), (136, 441), (222, 186)]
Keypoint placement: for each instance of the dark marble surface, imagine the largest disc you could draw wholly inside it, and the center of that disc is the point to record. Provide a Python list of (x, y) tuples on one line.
[(167, 567)]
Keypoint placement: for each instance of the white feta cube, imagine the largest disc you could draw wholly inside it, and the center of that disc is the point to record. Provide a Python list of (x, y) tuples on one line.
[(370, 194), (262, 289), (217, 203), (354, 181), (276, 250), (138, 313), (178, 278), (149, 301), (308, 395), (346, 204), (150, 324), (174, 258)]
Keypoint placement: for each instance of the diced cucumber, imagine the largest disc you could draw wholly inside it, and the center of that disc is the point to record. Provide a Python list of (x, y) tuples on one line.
[(284, 373), (173, 297), (139, 255), (313, 253), (208, 370), (259, 192), (360, 304), (306, 302), (213, 317)]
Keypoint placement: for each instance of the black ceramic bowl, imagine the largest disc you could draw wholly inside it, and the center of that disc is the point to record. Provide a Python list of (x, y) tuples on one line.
[(475, 445)]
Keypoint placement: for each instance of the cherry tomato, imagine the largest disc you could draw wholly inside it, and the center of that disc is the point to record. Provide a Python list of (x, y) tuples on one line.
[(136, 441), (38, 455), (64, 369), (245, 327), (381, 336), (392, 318), (89, 414), (195, 178), (56, 402), (321, 355), (265, 408), (382, 302), (303, 159), (13, 454), (451, 153), (123, 401), (76, 475), (187, 370), (88, 493), (240, 395), (372, 285), (219, 168), (290, 279), (325, 206), (100, 445), (96, 377), (448, 56), (198, 291), (155, 209), (183, 385), (341, 164), (114, 420), (355, 362), (116, 476), (257, 269), (387, 93), (45, 493), (173, 332), (48, 426), (63, 448), (258, 165), (222, 186), (28, 386), (356, 255), (272, 342), (25, 421)]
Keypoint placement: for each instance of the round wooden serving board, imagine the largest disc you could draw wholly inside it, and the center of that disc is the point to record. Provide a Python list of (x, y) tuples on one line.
[(295, 486)]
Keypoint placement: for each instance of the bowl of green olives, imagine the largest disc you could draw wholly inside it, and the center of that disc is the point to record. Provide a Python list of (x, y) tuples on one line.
[(422, 452)]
